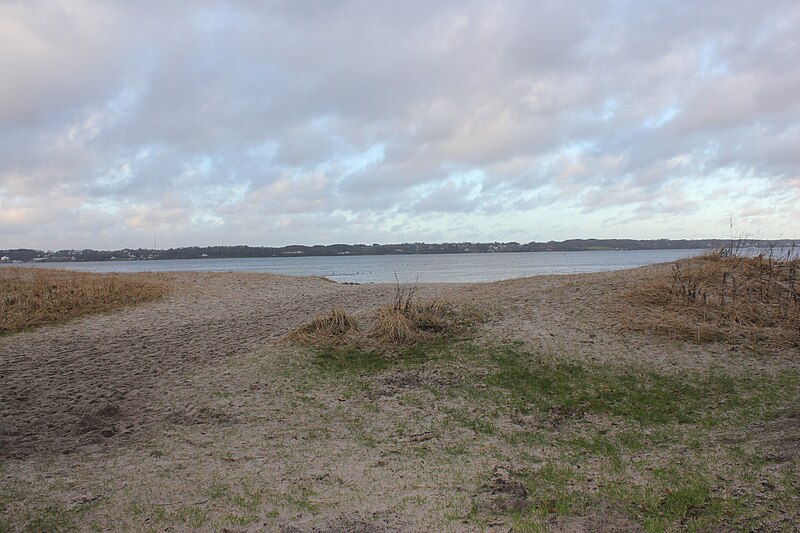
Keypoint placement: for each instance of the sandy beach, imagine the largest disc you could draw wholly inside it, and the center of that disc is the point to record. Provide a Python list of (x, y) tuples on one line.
[(188, 414)]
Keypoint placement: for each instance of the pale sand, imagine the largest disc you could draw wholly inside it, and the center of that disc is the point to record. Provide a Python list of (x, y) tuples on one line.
[(159, 402)]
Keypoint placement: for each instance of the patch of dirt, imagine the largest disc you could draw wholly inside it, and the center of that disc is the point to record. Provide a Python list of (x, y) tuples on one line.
[(343, 525), (779, 438), (53, 379), (100, 423), (191, 415), (595, 522), (395, 383), (503, 494)]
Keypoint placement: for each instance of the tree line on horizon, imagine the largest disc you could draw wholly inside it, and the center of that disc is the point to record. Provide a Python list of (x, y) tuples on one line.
[(244, 251)]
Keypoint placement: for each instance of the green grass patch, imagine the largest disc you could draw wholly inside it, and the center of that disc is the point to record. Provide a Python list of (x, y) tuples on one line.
[(678, 497), (193, 516), (52, 518), (550, 492), (534, 382), (356, 359), (509, 376), (598, 445), (299, 499), (604, 432)]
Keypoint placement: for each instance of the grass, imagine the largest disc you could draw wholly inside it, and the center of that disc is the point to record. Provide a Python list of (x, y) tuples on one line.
[(299, 498), (331, 328), (549, 491), (413, 322), (536, 382), (723, 296), (31, 297), (404, 322), (193, 516), (525, 382), (648, 446)]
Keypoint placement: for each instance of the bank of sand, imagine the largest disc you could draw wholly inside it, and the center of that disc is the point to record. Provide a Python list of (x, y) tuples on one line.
[(169, 414)]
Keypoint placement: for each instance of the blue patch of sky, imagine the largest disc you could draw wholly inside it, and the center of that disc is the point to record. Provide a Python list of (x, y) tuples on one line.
[(123, 170), (603, 112), (470, 179), (550, 164), (577, 148), (665, 116), (119, 175), (708, 63), (219, 17), (199, 166), (265, 151), (126, 98), (610, 107), (103, 205), (207, 218), (346, 164), (220, 195)]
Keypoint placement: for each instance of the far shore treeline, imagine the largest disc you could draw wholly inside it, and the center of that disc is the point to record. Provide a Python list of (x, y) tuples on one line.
[(217, 252)]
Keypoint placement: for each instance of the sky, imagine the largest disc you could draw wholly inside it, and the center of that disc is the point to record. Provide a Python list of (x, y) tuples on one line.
[(314, 122)]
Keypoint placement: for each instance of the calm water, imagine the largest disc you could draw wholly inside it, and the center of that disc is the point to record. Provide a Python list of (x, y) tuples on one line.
[(447, 268)]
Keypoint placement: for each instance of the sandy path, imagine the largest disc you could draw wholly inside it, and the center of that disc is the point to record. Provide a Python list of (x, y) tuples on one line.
[(96, 381), (96, 378)]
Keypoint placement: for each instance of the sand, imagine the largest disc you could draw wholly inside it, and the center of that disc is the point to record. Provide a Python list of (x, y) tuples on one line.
[(159, 416)]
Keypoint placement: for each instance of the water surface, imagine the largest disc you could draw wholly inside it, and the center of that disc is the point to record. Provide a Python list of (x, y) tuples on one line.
[(422, 268)]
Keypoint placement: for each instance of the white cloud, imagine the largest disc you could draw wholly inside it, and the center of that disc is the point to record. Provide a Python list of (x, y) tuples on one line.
[(270, 123)]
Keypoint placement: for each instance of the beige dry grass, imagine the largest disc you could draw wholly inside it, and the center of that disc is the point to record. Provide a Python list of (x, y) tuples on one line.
[(395, 326), (405, 321), (333, 327), (418, 321), (31, 297), (722, 297)]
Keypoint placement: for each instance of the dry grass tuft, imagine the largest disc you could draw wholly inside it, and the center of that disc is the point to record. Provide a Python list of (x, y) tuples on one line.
[(31, 297), (407, 321), (393, 326), (417, 321), (723, 296), (324, 329), (403, 322)]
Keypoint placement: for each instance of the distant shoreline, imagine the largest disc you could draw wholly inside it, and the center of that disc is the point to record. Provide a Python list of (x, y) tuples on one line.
[(25, 255)]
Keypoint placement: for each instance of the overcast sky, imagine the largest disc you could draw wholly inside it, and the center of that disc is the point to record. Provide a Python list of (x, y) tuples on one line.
[(271, 123)]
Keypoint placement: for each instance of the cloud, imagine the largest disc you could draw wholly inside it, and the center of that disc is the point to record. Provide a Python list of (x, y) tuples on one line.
[(270, 123)]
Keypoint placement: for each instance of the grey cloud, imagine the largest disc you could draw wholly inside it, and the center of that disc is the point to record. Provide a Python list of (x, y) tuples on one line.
[(219, 114)]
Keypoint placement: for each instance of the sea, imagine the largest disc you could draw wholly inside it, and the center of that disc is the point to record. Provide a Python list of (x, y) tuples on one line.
[(419, 268)]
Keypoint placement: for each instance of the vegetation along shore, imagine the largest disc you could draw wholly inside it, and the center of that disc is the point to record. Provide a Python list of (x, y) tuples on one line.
[(219, 252)]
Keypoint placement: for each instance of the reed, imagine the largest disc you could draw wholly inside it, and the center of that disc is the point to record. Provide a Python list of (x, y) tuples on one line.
[(31, 297), (331, 328), (408, 321), (404, 321), (724, 296)]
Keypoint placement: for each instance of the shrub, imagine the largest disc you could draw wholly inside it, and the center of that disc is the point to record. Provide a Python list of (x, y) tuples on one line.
[(333, 327), (723, 296)]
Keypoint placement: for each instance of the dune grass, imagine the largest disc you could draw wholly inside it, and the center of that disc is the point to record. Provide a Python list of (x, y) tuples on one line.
[(415, 322), (723, 296), (406, 321), (331, 328), (31, 297)]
